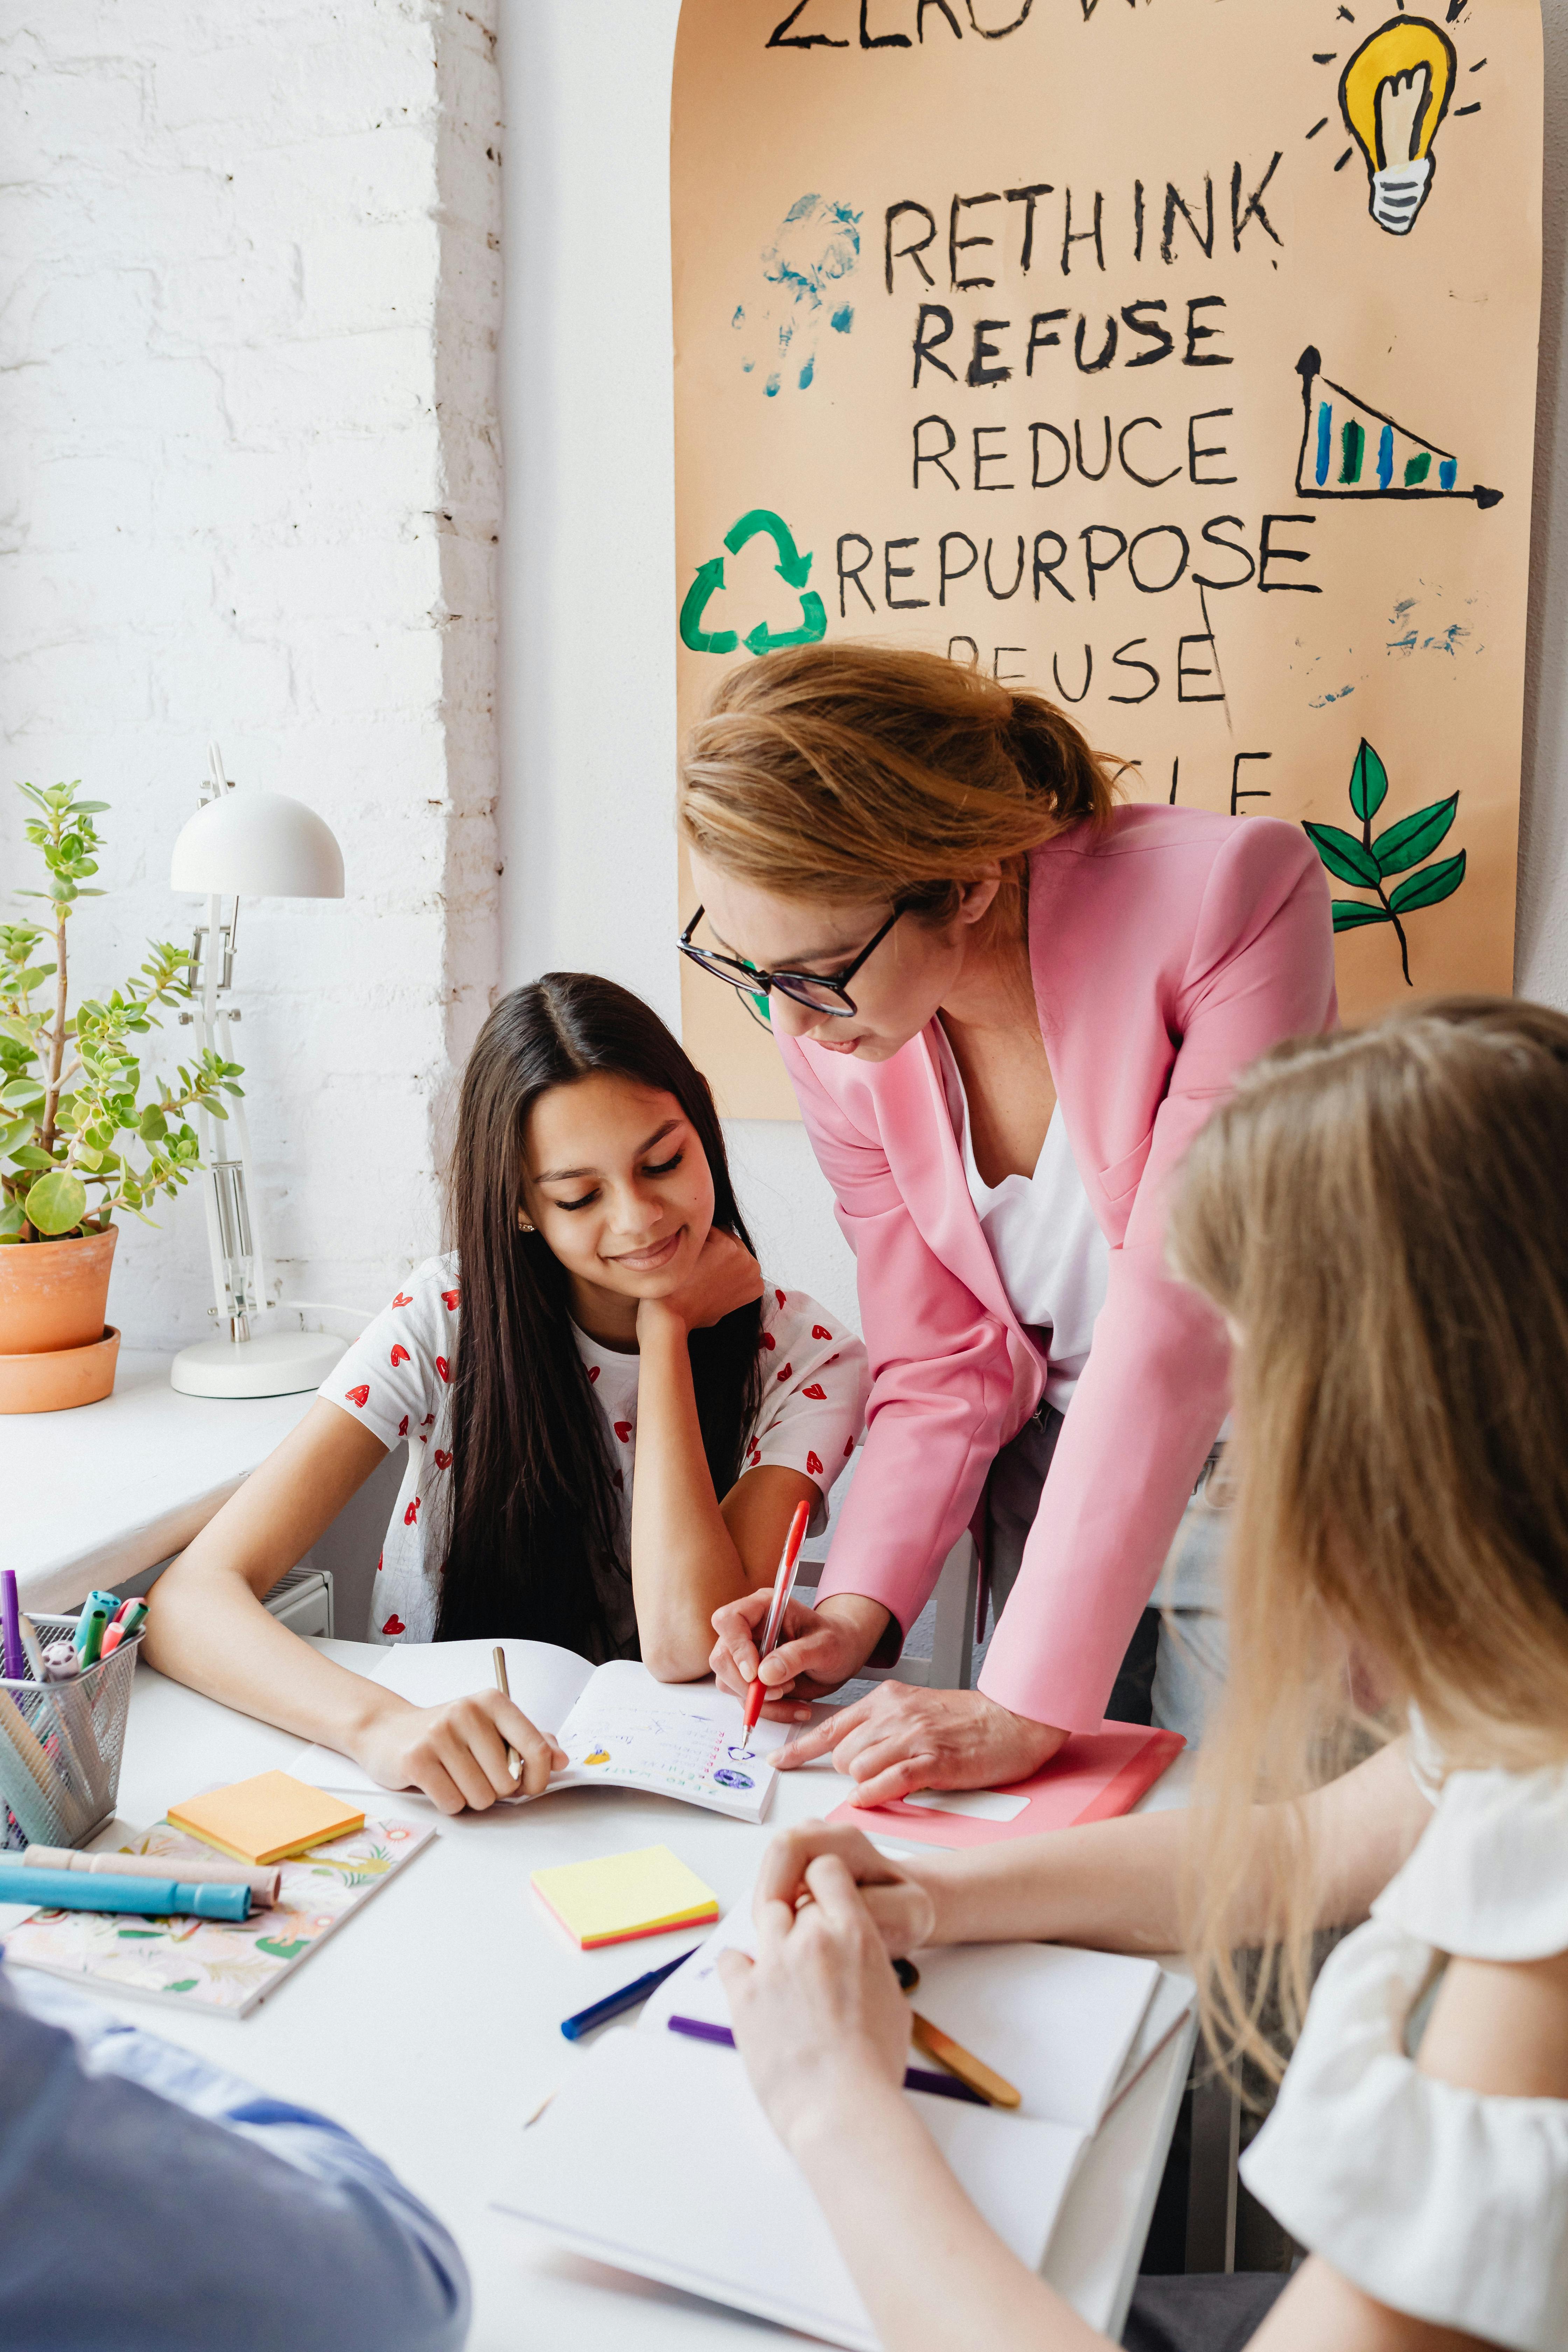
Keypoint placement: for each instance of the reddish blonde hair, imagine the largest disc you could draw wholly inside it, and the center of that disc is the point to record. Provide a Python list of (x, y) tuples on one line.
[(848, 771)]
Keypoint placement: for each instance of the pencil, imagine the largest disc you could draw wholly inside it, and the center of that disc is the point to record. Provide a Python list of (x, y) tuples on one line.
[(963, 2063), (25, 1742), (29, 1799), (513, 1760)]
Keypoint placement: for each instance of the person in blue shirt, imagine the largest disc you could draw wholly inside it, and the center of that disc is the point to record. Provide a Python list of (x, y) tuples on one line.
[(149, 2202)]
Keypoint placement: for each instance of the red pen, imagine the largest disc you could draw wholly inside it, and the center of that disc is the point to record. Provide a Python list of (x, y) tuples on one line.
[(783, 1585)]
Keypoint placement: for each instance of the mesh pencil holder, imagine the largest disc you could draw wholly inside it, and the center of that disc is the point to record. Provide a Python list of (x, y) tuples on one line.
[(60, 1744)]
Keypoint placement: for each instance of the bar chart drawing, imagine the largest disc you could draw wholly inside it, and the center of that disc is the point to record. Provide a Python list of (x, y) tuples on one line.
[(1351, 450)]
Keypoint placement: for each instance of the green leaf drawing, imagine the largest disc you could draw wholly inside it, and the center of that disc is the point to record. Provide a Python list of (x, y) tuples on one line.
[(1369, 782), (1368, 863), (1413, 837), (1347, 858), (1429, 887)]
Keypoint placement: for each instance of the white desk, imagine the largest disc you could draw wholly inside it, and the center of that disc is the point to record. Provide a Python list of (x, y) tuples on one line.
[(430, 2025), (96, 1495)]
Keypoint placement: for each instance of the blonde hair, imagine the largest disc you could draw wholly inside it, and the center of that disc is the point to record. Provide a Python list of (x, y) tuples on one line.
[(1380, 1216), (851, 771)]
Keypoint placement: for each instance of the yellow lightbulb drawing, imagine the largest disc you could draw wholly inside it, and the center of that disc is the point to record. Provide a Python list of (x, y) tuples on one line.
[(1394, 94)]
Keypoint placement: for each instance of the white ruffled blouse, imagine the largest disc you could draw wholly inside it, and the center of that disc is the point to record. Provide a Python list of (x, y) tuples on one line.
[(1444, 2203)]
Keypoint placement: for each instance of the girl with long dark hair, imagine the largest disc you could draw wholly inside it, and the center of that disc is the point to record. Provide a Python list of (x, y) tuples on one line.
[(600, 1313)]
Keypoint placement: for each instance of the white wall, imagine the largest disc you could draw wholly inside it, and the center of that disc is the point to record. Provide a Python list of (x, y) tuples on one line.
[(588, 601), (250, 290)]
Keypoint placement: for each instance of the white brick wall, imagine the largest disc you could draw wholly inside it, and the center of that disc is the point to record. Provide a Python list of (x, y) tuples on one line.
[(249, 485)]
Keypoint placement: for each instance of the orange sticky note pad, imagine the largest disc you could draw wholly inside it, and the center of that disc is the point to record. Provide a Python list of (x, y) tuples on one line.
[(265, 1819), (609, 1901)]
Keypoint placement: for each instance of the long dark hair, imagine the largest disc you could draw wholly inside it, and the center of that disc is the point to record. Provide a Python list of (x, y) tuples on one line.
[(532, 1506)]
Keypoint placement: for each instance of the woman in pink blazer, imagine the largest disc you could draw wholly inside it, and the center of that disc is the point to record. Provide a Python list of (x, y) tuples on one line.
[(955, 929)]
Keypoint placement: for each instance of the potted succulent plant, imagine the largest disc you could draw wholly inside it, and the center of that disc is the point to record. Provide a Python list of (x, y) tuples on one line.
[(84, 1133)]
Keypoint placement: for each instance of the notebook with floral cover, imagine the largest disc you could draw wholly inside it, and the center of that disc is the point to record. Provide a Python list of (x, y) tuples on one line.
[(212, 1963)]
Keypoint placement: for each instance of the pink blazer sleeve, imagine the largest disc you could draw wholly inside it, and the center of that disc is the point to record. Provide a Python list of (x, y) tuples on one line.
[(1155, 1389), (942, 1379)]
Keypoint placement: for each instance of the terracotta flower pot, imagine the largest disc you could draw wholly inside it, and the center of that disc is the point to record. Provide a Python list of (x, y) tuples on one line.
[(57, 1377), (53, 1295)]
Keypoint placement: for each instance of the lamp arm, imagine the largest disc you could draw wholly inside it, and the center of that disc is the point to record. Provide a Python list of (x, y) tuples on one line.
[(202, 1020), (241, 1131)]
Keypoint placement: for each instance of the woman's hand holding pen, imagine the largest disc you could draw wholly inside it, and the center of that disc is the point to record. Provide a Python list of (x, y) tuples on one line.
[(818, 2016), (819, 1648), (457, 1754)]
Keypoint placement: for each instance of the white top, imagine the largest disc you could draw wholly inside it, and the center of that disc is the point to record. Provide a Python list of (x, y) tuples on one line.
[(1052, 1260), (395, 1379), (1444, 2203)]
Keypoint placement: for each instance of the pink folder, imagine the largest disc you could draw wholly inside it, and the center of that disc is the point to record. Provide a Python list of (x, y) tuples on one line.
[(1096, 1776)]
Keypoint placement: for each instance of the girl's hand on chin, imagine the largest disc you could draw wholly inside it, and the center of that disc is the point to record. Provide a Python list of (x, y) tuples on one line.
[(726, 1275), (455, 1755), (818, 2016)]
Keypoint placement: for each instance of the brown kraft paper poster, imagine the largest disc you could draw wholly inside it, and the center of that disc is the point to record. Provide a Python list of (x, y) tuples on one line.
[(1175, 357)]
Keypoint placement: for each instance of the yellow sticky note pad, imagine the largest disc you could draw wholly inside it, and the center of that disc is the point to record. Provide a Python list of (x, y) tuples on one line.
[(625, 1895), (266, 1819)]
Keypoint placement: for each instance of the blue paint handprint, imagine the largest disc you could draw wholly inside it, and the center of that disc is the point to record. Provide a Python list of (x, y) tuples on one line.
[(802, 274)]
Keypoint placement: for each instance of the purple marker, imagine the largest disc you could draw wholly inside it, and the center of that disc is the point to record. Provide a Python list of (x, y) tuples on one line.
[(915, 2078), (11, 1624)]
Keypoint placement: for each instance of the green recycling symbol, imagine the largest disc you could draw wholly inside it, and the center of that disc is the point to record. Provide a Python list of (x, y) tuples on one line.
[(792, 567)]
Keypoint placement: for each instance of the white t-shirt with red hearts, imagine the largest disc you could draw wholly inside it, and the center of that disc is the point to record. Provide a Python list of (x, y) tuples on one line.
[(395, 1379)]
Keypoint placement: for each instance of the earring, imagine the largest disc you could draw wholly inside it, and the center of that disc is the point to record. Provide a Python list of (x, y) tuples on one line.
[(524, 1227)]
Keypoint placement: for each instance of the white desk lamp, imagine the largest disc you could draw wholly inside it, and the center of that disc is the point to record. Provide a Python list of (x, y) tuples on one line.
[(263, 845)]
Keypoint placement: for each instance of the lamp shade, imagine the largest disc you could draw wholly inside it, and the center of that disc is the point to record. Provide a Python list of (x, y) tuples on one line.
[(257, 845)]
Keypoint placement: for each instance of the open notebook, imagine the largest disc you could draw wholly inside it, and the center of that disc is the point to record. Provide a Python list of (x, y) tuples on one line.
[(609, 2166), (617, 1725), (1058, 2024)]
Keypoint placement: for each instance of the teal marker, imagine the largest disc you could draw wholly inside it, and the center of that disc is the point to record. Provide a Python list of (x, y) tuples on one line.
[(76, 1890)]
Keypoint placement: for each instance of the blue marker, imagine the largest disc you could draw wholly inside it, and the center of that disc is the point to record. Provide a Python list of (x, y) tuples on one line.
[(574, 2028), (75, 1890)]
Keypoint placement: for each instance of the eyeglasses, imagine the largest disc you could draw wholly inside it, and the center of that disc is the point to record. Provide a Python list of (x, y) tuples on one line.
[(807, 988)]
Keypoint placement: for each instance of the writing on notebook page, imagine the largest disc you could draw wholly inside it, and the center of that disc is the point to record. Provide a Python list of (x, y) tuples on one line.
[(684, 1754)]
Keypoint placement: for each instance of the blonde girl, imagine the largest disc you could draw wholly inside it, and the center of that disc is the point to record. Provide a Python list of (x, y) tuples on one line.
[(1379, 1218)]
